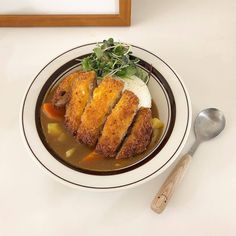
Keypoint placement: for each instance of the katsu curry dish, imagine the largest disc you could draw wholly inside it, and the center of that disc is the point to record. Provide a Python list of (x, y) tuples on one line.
[(101, 116)]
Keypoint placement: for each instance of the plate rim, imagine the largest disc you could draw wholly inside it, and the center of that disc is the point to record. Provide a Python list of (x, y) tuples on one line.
[(156, 76)]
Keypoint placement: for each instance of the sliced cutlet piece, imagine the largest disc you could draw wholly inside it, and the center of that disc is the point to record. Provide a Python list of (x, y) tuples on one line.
[(105, 96), (81, 93), (117, 124), (62, 93), (140, 135)]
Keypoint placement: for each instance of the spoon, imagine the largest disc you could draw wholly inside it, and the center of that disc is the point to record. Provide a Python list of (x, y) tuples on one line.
[(208, 124)]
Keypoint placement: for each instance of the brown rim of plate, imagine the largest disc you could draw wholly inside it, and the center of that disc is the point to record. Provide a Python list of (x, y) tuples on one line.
[(67, 67), (108, 187)]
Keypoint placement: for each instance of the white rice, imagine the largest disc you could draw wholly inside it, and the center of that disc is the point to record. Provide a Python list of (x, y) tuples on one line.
[(140, 89)]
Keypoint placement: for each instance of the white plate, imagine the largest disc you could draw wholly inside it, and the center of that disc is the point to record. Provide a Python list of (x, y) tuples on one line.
[(168, 92)]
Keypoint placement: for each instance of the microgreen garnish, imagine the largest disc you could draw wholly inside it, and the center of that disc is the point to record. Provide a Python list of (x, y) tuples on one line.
[(113, 58)]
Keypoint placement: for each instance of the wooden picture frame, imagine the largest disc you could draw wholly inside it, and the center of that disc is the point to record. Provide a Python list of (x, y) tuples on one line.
[(121, 19)]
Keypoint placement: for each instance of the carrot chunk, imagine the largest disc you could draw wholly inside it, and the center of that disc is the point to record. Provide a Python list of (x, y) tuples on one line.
[(53, 113), (91, 157)]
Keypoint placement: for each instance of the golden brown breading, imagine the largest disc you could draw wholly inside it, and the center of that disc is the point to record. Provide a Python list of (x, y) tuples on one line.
[(62, 92), (105, 96), (140, 135), (117, 124), (81, 93)]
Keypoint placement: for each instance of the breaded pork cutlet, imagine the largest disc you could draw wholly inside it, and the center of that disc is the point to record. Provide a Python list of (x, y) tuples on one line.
[(139, 136), (80, 95), (62, 93), (117, 124), (105, 96)]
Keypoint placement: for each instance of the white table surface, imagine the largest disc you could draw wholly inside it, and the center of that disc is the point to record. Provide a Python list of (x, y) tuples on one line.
[(198, 39)]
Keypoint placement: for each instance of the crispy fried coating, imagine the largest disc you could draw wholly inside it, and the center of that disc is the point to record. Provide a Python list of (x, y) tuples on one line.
[(105, 96), (117, 124), (62, 93), (140, 135), (80, 95)]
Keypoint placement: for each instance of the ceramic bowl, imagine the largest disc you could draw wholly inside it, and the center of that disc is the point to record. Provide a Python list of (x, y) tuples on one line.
[(167, 91)]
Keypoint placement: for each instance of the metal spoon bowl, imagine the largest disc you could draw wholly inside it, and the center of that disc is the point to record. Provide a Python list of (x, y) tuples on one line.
[(208, 124)]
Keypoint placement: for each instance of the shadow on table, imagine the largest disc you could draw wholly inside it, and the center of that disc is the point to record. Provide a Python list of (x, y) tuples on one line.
[(134, 201), (145, 10)]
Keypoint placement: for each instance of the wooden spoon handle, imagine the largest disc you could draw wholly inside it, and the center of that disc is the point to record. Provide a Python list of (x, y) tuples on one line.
[(162, 198)]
